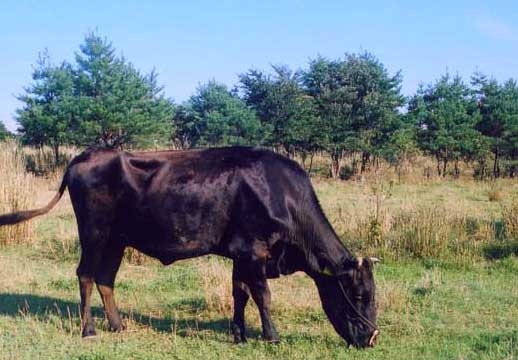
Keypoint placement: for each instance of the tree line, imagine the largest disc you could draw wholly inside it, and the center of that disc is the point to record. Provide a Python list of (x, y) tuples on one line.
[(345, 108)]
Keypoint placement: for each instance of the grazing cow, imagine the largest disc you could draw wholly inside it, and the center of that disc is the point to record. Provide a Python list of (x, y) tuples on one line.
[(250, 205)]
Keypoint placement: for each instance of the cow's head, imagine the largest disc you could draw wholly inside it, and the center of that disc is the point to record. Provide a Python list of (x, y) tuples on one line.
[(348, 299)]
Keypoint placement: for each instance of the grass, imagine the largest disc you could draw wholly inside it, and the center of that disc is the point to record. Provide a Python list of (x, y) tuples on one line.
[(427, 310), (16, 191), (446, 286)]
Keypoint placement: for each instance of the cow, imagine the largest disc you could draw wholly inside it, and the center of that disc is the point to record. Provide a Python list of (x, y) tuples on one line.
[(250, 205)]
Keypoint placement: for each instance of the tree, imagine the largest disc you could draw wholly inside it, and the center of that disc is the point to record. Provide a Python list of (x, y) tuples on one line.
[(446, 115), (101, 99), (4, 133), (48, 101), (283, 108), (215, 116), (116, 104), (357, 102), (498, 106), (186, 131)]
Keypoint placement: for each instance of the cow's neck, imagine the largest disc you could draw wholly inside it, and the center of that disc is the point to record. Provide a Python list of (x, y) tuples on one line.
[(322, 247)]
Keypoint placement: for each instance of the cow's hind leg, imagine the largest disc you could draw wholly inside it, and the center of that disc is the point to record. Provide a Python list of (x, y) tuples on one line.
[(105, 278), (85, 290), (101, 255), (254, 275), (100, 261), (241, 294), (86, 274)]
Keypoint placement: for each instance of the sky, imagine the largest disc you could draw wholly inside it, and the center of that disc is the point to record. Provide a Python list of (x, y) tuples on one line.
[(190, 42)]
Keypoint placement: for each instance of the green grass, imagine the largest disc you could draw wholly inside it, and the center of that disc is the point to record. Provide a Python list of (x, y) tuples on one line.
[(460, 303), (428, 310)]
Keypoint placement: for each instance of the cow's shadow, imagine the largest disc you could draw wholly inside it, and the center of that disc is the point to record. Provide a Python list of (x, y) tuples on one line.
[(44, 307)]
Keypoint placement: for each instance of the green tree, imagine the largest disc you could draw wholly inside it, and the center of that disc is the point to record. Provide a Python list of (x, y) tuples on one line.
[(116, 104), (187, 127), (498, 105), (357, 102), (216, 116), (45, 116), (286, 112), (101, 99), (446, 115), (4, 133)]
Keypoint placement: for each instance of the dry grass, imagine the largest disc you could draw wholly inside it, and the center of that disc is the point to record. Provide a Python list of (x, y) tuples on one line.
[(377, 215), (41, 160), (17, 192), (495, 195), (510, 219), (216, 281), (442, 220)]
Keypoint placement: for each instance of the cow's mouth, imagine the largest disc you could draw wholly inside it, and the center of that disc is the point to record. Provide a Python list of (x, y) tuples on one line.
[(372, 340)]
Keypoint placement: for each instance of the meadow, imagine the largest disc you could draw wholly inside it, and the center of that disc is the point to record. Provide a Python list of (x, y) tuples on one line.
[(446, 287)]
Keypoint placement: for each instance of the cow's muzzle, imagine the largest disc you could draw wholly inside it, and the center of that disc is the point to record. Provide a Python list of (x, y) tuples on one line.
[(372, 339)]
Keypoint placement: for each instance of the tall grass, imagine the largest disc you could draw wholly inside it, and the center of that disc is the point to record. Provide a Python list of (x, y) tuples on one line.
[(443, 221), (41, 160), (17, 192), (379, 214)]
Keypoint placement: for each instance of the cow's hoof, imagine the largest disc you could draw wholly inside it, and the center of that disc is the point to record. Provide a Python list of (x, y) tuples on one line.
[(89, 332), (273, 341), (239, 337), (272, 338), (117, 328), (240, 340), (239, 334)]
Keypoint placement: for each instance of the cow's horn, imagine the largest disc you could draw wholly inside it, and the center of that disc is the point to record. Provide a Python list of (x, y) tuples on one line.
[(375, 260)]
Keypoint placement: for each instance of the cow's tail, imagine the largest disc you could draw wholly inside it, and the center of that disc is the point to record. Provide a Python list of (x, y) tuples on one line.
[(19, 216)]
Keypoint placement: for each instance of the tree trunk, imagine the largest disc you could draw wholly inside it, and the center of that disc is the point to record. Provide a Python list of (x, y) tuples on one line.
[(512, 168), (438, 164), (456, 171), (303, 158), (56, 154), (354, 164), (444, 165), (336, 164), (311, 156), (365, 159), (496, 166)]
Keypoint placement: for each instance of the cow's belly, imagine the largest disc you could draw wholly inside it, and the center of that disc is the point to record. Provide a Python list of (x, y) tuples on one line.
[(179, 227)]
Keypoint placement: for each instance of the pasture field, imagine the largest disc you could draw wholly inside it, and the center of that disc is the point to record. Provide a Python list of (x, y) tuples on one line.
[(447, 285)]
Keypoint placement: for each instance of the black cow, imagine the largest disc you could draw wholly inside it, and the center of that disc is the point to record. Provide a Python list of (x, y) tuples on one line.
[(250, 205)]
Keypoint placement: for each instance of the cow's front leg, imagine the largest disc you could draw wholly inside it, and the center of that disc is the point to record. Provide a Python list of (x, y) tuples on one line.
[(241, 294), (256, 280), (262, 297)]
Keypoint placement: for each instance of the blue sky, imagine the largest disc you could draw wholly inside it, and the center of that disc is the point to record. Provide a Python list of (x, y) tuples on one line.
[(189, 42)]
